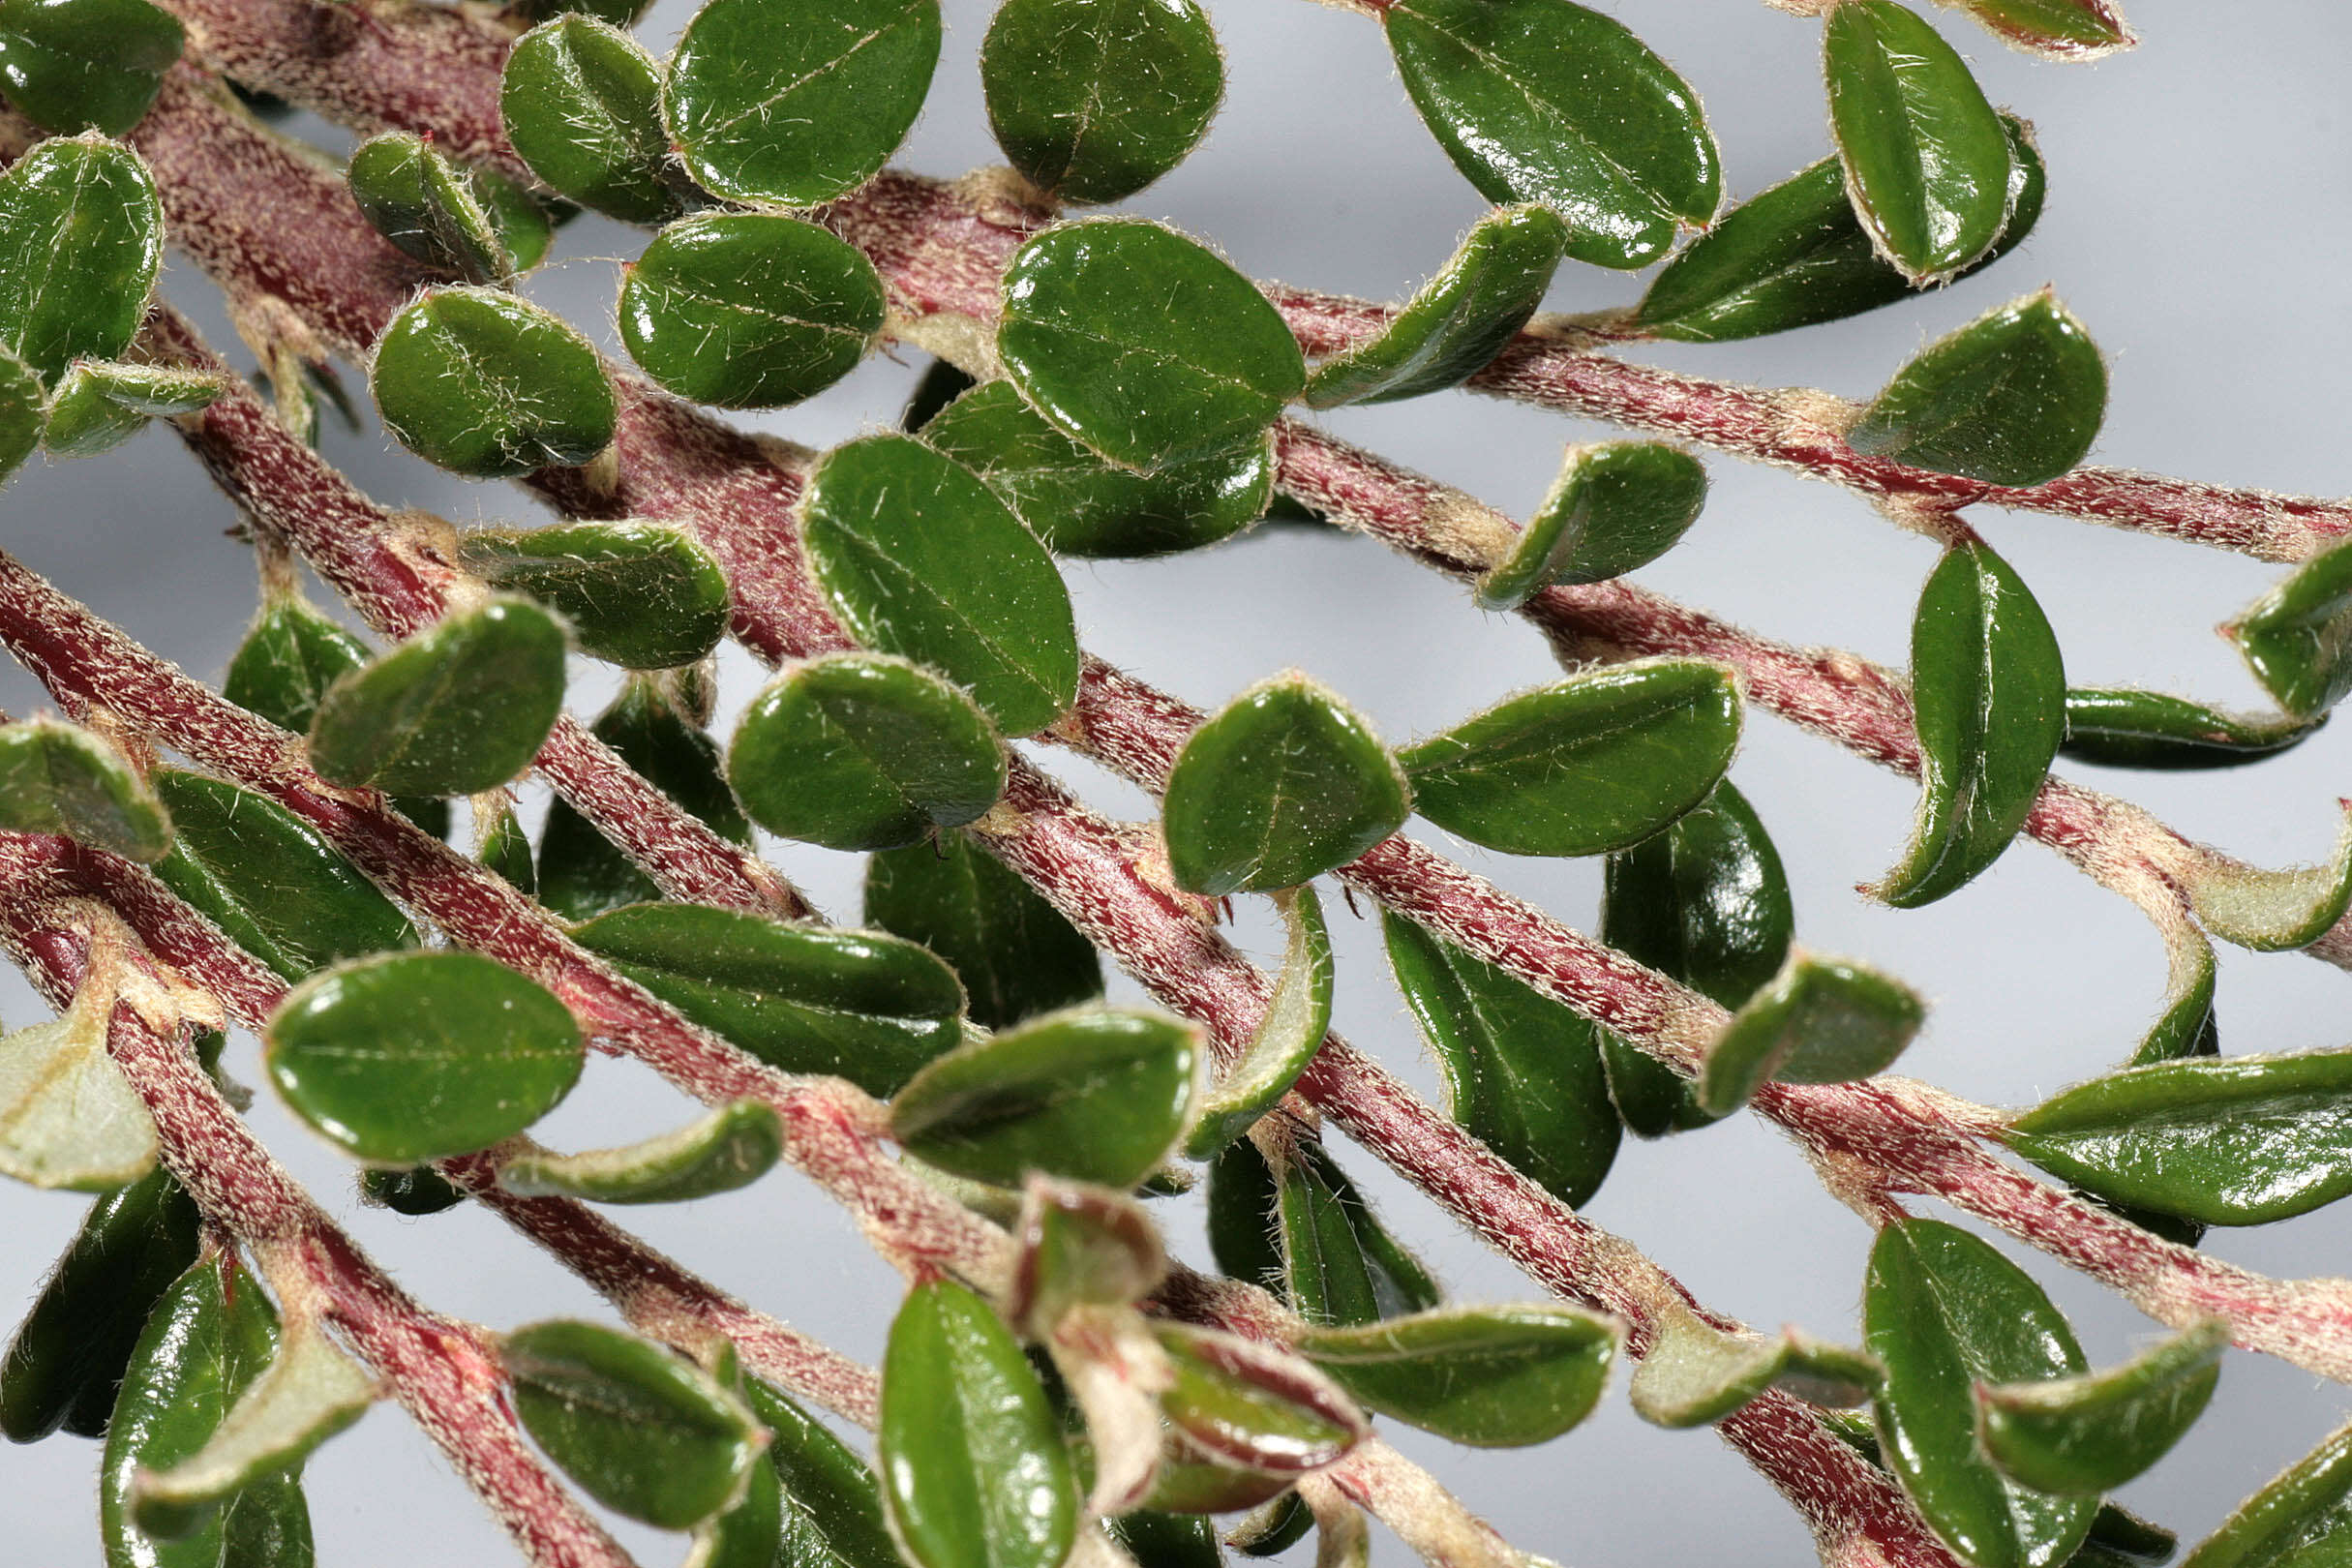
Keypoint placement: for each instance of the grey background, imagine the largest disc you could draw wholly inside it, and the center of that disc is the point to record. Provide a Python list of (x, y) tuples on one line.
[(2197, 219)]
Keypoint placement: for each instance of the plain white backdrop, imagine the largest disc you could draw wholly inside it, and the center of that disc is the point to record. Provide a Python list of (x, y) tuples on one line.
[(2197, 222)]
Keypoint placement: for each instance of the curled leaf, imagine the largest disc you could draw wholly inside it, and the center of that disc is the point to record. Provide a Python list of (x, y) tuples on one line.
[(2297, 639), (68, 1116), (1298, 1015), (1489, 1377), (1343, 1267), (1252, 1406), (60, 779), (2123, 727), (1820, 1020), (1695, 1374), (732, 1146), (2093, 1433)]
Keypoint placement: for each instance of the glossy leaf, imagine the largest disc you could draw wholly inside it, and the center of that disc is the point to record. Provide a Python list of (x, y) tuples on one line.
[(427, 206), (491, 387), (81, 238), (1989, 693), (749, 310), (1093, 100), (1615, 506), (635, 594), (1286, 783), (2014, 398), (2125, 727), (1705, 903), (1079, 1246), (2297, 639), (68, 1116), (582, 873), (24, 412), (581, 103), (1344, 1268), (2301, 1517), (1522, 1073), (731, 1147), (832, 1504), (1926, 158), (525, 225), (1598, 761), (417, 1192), (418, 1056), (643, 1430), (60, 779), (102, 403), (2121, 1539), (1251, 1405), (308, 1392), (861, 751), (748, 1533), (793, 102), (1142, 344), (1458, 320), (975, 1472), (210, 1337), (1298, 1015), (1081, 505), (66, 1359), (1820, 1020), (85, 65), (2238, 1140), (1547, 101), (1245, 1217), (1098, 1095), (1014, 953), (1157, 1539), (269, 881), (920, 559), (1797, 255), (461, 708), (1942, 1311), (1489, 1377), (1695, 1374), (2053, 29), (2092, 1433)]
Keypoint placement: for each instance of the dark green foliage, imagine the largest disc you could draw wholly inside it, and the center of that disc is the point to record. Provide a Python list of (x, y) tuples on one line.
[(1015, 953), (1093, 100)]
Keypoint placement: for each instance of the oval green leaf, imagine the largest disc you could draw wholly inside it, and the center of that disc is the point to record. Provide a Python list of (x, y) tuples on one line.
[(491, 387), (1014, 953), (81, 239), (2014, 398), (581, 102), (1694, 1374), (732, 1146), (2089, 1434), (1342, 1267), (1093, 100), (2054, 29), (85, 65), (1251, 1405), (428, 208), (1297, 1017), (1596, 763), (1489, 1377), (2297, 639), (1820, 1020), (2125, 727), (1616, 505), (60, 779), (1547, 101), (832, 1503), (1142, 344), (423, 1055), (637, 594), (1243, 1221)]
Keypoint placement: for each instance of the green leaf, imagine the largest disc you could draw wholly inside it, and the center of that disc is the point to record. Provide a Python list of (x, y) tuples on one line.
[(2297, 639), (793, 102), (2126, 727), (102, 403), (1081, 505), (582, 873), (1286, 783), (2269, 911), (748, 1533), (1616, 505), (643, 1430), (1522, 1073), (210, 1337), (1707, 903), (1796, 255), (1942, 1311), (1820, 1020), (2013, 398), (308, 1392), (60, 779), (81, 238), (1245, 1217), (67, 1357), (1546, 101), (749, 310), (1298, 1015), (975, 1472), (1695, 1374), (1489, 1377), (421, 1055), (1458, 320), (427, 206), (1161, 1540), (85, 65), (1014, 953), (2238, 1140), (461, 708), (1273, 1529), (1988, 692), (1093, 100), (2301, 1519), (268, 879), (832, 1503), (68, 1116), (2121, 1539), (505, 849), (417, 1192), (24, 412), (943, 381), (731, 1147), (1142, 344), (801, 998), (1598, 761), (1251, 1405), (525, 227), (491, 387), (581, 102), (861, 751), (2092, 1433), (1344, 1268), (918, 558), (1094, 1095), (2053, 29), (637, 594), (1926, 158), (1079, 1246)]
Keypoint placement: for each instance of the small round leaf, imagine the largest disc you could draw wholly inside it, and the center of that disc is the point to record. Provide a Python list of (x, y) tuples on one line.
[(637, 594), (81, 239), (581, 103), (85, 65), (1093, 100), (491, 387)]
